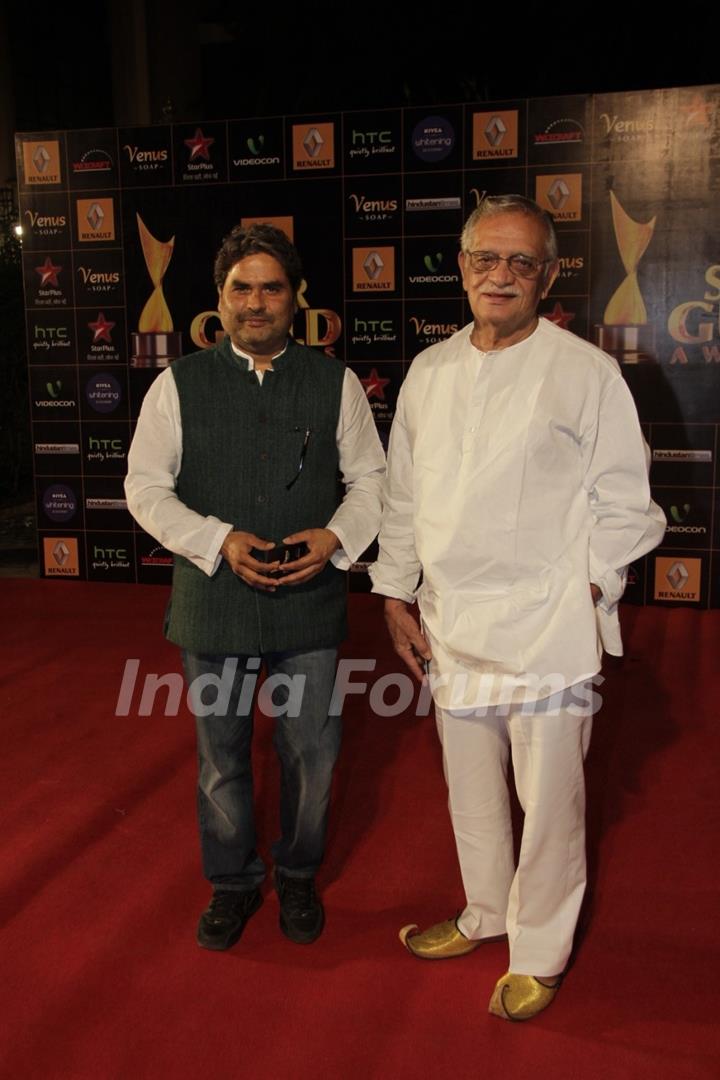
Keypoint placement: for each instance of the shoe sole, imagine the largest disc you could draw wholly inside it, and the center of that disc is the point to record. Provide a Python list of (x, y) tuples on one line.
[(227, 943)]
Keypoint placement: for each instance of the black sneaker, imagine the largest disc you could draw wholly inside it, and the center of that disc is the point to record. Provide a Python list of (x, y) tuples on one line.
[(301, 912), (224, 921)]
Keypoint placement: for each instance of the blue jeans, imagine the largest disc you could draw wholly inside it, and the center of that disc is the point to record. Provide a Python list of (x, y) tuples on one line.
[(307, 741)]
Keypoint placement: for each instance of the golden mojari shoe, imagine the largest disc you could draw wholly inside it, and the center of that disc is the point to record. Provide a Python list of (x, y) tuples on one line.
[(520, 997), (439, 942)]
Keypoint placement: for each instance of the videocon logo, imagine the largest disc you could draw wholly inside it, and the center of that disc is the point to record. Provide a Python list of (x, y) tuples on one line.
[(678, 514), (432, 263), (54, 398), (255, 146)]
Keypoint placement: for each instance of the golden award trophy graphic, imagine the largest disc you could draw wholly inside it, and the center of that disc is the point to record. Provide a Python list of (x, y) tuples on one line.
[(625, 332), (155, 344)]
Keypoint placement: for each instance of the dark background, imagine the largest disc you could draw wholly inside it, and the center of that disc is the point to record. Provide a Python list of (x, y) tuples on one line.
[(111, 63)]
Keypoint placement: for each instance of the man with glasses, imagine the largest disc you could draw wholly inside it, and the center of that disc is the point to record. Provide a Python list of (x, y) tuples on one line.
[(234, 467), (517, 495)]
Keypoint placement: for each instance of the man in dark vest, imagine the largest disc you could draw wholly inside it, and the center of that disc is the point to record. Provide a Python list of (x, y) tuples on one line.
[(234, 463)]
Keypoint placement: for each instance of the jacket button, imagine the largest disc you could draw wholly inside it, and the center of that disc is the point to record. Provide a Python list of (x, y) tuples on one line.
[(264, 455), (262, 498)]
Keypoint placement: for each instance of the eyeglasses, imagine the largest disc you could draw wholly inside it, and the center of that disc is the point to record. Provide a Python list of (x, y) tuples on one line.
[(526, 266)]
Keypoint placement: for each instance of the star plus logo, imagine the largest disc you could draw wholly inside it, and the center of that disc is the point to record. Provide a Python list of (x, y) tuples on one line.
[(199, 145), (559, 316), (374, 385), (48, 273), (101, 329)]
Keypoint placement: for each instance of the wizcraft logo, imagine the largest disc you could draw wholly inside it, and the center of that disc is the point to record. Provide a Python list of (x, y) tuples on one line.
[(41, 161), (561, 132), (561, 196), (158, 556), (314, 146), (94, 160), (495, 135), (95, 220)]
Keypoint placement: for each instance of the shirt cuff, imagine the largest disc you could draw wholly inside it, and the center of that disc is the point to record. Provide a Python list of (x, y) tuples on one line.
[(612, 586), (210, 563)]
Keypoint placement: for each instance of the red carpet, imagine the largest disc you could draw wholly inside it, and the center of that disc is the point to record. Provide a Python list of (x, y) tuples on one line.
[(101, 888)]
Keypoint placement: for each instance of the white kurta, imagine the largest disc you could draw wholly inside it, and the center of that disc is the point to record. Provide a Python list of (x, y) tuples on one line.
[(515, 478)]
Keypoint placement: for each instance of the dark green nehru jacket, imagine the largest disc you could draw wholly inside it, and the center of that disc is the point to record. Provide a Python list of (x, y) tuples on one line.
[(242, 445)]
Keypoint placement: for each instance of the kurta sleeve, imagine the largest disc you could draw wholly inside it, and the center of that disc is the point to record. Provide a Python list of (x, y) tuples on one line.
[(397, 569), (362, 467), (154, 464), (626, 521)]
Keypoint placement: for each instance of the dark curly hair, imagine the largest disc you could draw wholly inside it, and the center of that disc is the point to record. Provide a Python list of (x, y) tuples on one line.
[(258, 240)]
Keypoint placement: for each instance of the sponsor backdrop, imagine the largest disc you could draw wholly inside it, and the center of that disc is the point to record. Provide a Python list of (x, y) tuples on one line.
[(121, 226)]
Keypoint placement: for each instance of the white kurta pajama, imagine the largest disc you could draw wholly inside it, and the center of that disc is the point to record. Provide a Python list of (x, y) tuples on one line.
[(516, 478)]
